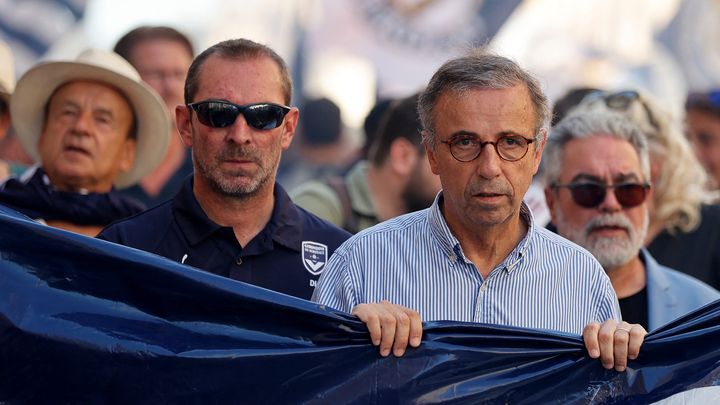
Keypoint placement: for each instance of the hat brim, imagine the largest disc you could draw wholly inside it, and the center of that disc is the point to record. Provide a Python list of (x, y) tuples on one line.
[(35, 88)]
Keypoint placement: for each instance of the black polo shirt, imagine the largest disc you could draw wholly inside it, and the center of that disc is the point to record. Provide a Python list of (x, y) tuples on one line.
[(287, 256)]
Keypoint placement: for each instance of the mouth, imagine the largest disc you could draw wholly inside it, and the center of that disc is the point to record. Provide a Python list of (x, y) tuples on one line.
[(488, 196), (609, 230), (76, 150)]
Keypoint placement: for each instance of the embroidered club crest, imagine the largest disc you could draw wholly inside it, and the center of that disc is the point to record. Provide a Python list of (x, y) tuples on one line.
[(314, 257)]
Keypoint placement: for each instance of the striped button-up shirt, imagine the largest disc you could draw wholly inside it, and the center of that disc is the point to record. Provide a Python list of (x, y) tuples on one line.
[(546, 282)]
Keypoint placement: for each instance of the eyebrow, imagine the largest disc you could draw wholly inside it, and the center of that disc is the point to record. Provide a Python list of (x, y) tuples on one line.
[(497, 135), (620, 178)]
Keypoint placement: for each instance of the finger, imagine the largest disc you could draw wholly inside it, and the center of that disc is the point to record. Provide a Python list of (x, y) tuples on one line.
[(415, 328), (590, 334), (402, 332), (371, 319), (621, 338), (606, 342), (637, 337), (387, 335)]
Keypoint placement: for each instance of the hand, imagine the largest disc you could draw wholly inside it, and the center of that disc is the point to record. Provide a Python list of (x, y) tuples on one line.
[(614, 342), (390, 326)]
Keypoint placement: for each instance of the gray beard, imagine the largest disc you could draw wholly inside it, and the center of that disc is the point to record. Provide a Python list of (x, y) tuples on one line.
[(611, 252)]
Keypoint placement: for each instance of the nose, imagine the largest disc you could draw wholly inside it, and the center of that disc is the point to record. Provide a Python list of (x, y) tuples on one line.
[(83, 123), (610, 202), (488, 162), (239, 132)]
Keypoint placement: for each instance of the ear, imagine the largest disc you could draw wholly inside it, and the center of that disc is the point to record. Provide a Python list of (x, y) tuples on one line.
[(537, 154), (4, 123), (289, 126), (403, 156), (550, 201), (183, 122), (127, 157), (430, 152)]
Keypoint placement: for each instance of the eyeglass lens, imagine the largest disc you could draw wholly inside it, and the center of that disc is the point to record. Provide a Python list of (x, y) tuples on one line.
[(221, 114), (591, 195), (468, 148)]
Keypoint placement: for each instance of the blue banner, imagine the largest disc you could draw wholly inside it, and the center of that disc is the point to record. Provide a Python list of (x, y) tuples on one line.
[(86, 321)]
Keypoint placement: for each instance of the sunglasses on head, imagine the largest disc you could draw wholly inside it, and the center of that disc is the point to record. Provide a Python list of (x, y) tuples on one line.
[(221, 114), (622, 100), (590, 195)]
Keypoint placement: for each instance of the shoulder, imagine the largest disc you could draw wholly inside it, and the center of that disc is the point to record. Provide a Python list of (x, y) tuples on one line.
[(405, 230), (320, 199), (140, 229), (687, 284), (321, 229), (550, 243)]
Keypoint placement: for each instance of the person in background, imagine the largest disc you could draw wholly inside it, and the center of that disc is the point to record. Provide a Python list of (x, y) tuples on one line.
[(92, 125), (8, 165), (232, 218), (322, 148), (684, 228), (162, 56), (476, 255), (394, 181), (702, 127), (597, 173)]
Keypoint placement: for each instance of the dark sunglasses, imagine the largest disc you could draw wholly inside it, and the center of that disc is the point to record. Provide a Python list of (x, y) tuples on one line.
[(622, 100), (221, 114), (590, 195)]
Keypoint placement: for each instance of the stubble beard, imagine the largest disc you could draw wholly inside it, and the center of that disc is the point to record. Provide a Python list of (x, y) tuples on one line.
[(237, 183)]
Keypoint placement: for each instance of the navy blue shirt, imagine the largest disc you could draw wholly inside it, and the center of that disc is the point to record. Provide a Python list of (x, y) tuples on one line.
[(287, 256)]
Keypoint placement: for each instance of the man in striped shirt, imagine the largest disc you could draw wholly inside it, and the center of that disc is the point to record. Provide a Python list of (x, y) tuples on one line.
[(475, 254)]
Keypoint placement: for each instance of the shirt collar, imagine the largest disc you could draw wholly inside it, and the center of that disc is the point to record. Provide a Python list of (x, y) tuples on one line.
[(284, 226), (451, 246)]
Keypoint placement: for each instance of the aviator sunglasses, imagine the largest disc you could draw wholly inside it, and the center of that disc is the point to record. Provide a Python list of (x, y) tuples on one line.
[(590, 195), (221, 114)]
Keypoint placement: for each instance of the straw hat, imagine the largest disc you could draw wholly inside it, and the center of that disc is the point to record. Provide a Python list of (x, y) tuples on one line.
[(36, 86), (7, 72)]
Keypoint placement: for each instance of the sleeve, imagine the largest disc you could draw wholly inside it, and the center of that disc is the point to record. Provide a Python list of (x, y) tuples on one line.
[(319, 199), (335, 288), (111, 234), (608, 305)]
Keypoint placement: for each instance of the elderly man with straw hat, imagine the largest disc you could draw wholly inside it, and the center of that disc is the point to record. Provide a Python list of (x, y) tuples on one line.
[(93, 126)]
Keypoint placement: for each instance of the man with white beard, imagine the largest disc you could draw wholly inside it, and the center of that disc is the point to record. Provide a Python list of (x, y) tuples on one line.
[(596, 176)]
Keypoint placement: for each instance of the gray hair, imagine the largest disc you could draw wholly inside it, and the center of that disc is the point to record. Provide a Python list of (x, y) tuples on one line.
[(478, 69), (582, 124), (679, 188)]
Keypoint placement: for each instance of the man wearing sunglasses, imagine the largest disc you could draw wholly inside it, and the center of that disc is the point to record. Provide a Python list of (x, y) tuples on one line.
[(476, 255), (597, 170), (231, 218)]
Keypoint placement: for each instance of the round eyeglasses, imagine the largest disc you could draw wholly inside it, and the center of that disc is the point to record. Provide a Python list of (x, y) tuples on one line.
[(466, 148)]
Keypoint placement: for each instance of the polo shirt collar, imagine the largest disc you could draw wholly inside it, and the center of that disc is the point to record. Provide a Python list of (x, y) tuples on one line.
[(284, 227)]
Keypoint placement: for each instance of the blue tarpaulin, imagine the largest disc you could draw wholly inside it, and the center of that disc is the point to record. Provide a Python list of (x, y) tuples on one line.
[(86, 321)]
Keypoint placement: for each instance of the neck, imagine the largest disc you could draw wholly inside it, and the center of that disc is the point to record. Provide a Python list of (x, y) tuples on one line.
[(629, 278), (385, 192), (487, 246), (247, 215), (79, 187)]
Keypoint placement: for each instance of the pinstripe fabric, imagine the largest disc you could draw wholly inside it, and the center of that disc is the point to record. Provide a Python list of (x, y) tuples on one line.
[(546, 282)]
